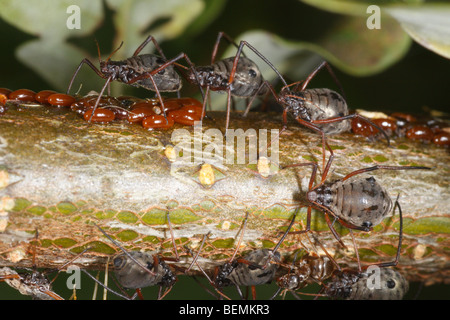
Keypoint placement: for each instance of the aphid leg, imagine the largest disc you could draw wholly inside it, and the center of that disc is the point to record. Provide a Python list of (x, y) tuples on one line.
[(240, 238), (155, 43), (330, 70), (211, 282), (126, 252), (356, 250), (172, 236), (149, 75), (234, 68), (250, 102), (400, 239), (91, 65), (107, 288), (221, 35), (198, 252), (275, 249), (325, 144), (108, 80), (70, 261)]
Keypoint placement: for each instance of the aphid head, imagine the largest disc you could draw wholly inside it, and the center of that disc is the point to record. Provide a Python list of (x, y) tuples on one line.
[(104, 64), (294, 103)]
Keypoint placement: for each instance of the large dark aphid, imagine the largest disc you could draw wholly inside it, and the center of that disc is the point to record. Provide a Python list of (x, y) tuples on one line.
[(321, 110), (148, 71), (238, 76), (373, 282), (136, 270), (255, 268), (358, 204), (33, 282)]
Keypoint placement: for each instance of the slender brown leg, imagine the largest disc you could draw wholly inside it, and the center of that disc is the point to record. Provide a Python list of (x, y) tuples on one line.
[(91, 65), (317, 69), (126, 252)]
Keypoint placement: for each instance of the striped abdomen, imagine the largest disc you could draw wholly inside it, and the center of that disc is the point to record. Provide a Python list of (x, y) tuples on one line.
[(318, 104), (167, 80), (247, 275), (380, 284), (247, 78), (132, 276), (362, 203)]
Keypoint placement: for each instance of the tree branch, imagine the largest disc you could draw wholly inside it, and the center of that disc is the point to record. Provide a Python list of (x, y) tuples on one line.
[(61, 174)]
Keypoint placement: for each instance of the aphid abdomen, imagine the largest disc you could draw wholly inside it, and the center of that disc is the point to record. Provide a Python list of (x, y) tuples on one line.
[(322, 104), (382, 284), (247, 275), (167, 80), (214, 76), (363, 203), (131, 275), (340, 286), (247, 79), (321, 268)]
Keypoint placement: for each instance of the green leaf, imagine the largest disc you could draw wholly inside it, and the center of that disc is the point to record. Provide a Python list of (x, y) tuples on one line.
[(354, 7), (56, 62), (48, 18), (133, 18), (429, 25), (350, 46)]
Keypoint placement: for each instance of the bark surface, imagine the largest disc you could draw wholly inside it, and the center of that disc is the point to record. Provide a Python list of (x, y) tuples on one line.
[(60, 175)]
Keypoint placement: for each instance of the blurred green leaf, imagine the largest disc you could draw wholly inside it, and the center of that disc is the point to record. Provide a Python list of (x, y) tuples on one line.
[(48, 18), (133, 18), (426, 23), (350, 46), (56, 62), (429, 25), (354, 7)]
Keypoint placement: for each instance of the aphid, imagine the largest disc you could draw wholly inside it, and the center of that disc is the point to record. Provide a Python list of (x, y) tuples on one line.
[(237, 76), (148, 71), (373, 282), (255, 268), (321, 110), (136, 270), (310, 268), (358, 204), (34, 283)]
